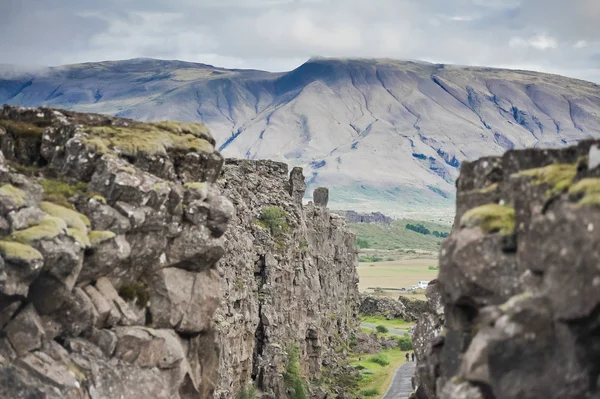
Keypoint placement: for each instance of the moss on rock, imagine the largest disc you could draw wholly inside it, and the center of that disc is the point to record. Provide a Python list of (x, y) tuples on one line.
[(79, 236), (135, 292), (17, 251), (73, 218), (47, 229), (146, 138), (586, 191), (16, 195), (559, 177), (97, 237), (22, 129), (491, 218)]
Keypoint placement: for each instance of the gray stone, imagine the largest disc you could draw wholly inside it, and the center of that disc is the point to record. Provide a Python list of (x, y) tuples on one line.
[(297, 186), (321, 196), (25, 331)]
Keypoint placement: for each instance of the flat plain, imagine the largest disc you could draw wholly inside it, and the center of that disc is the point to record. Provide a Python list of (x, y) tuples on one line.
[(396, 274)]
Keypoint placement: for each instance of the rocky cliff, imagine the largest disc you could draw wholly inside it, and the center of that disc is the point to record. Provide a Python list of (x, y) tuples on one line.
[(290, 285), (519, 282), (110, 232), (373, 217)]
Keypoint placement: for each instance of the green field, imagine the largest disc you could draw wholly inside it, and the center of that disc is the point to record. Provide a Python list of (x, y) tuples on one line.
[(396, 236), (401, 273)]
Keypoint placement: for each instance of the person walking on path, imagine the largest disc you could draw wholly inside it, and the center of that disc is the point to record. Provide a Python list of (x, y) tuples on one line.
[(413, 356), (406, 356)]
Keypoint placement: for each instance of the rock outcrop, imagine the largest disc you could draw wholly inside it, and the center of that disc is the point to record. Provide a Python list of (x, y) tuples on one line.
[(290, 285), (373, 217), (110, 232), (519, 281), (403, 308)]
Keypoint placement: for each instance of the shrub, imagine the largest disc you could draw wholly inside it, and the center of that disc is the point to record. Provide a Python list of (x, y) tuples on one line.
[(135, 292), (248, 392), (382, 329), (405, 343), (274, 218), (378, 290), (370, 392), (362, 243), (293, 376), (434, 268), (380, 359)]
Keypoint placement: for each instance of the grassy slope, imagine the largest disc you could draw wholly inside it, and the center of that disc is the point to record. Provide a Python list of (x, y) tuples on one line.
[(382, 375), (396, 236)]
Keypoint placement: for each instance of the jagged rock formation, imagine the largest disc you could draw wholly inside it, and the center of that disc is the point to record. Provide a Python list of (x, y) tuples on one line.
[(519, 281), (373, 217), (390, 308), (290, 280), (110, 231)]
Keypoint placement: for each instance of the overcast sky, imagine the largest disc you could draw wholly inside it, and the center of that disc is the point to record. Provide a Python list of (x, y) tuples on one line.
[(558, 36)]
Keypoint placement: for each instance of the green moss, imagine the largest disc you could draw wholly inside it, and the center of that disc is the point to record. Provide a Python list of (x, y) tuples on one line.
[(488, 189), (559, 177), (135, 292), (15, 194), (146, 138), (196, 129), (587, 191), (491, 218), (23, 129), (26, 170), (196, 186), (293, 377), (47, 229), (16, 251), (58, 192), (127, 169), (73, 218), (99, 198), (97, 237), (79, 236), (274, 218)]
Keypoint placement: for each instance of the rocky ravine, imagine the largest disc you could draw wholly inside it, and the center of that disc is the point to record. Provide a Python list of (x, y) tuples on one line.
[(519, 282), (108, 276), (289, 283)]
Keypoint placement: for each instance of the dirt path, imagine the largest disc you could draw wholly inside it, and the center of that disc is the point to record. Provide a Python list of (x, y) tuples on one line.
[(401, 386)]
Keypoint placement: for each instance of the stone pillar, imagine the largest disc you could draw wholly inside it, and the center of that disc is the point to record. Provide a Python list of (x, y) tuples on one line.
[(297, 185), (321, 196)]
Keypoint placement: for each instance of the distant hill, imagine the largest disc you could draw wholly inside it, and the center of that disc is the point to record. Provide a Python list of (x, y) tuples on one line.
[(385, 135)]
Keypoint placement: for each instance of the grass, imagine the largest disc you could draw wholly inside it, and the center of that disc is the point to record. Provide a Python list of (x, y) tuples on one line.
[(491, 218), (395, 324), (396, 236), (375, 376), (274, 218), (401, 273)]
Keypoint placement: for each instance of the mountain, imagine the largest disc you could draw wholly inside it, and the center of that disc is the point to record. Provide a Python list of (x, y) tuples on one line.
[(383, 134)]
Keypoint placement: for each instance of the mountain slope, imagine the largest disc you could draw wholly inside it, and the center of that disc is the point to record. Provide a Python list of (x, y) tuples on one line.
[(383, 134)]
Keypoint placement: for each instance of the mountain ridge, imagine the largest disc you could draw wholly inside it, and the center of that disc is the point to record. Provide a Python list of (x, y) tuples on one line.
[(383, 134)]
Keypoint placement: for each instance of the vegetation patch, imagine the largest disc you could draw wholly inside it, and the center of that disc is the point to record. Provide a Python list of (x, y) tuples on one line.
[(586, 191), (22, 129), (419, 228), (148, 138), (487, 189), (47, 229), (374, 376), (73, 219), (16, 251), (248, 392), (79, 236), (382, 329), (97, 237), (559, 177), (15, 194), (135, 292), (59, 192), (491, 218), (395, 236), (370, 259), (275, 219), (369, 392), (405, 343), (293, 375)]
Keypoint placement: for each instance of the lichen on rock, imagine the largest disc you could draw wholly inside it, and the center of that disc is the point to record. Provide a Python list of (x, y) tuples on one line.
[(491, 218)]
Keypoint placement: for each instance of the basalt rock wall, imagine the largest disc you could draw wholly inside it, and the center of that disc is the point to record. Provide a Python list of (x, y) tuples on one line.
[(290, 282), (519, 282), (110, 234)]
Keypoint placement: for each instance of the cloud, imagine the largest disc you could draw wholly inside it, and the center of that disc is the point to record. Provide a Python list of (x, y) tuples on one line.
[(540, 42), (280, 34)]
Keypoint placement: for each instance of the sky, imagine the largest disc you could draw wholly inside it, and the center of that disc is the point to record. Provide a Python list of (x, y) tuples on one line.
[(556, 36)]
